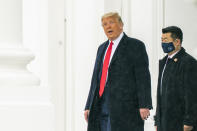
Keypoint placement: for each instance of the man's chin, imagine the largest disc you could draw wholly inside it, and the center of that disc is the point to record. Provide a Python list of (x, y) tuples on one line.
[(110, 38)]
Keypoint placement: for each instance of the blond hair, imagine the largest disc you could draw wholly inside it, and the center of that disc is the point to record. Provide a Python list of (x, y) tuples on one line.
[(112, 14)]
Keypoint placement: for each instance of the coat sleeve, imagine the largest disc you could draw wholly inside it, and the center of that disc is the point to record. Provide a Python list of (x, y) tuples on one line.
[(93, 83), (142, 75), (156, 116), (157, 112), (156, 120), (190, 87)]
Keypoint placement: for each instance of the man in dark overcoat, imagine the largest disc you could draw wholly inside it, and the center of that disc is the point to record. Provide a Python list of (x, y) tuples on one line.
[(120, 93), (177, 85)]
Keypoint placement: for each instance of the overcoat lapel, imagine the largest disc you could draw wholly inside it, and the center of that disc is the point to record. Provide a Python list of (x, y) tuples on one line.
[(120, 47)]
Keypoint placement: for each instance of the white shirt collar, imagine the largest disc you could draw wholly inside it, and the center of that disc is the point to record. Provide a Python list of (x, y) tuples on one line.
[(173, 54)]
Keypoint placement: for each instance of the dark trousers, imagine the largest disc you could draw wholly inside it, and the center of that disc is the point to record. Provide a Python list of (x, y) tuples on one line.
[(104, 114), (105, 124)]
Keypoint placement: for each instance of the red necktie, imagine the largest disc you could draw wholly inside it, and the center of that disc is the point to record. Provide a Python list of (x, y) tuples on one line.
[(105, 69)]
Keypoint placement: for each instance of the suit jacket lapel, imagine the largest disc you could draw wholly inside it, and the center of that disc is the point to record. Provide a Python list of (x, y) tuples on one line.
[(118, 49)]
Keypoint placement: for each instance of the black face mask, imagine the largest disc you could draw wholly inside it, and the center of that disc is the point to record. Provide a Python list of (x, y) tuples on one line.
[(168, 47)]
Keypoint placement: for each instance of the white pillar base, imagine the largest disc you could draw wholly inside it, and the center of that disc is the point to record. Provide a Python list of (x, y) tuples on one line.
[(24, 105)]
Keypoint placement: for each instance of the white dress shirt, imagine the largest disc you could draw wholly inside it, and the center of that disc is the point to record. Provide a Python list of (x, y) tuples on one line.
[(114, 46)]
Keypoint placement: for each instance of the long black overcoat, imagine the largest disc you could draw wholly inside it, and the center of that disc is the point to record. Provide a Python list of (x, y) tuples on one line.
[(177, 100), (129, 83)]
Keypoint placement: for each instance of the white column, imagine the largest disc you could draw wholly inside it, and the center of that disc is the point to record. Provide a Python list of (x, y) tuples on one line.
[(24, 105)]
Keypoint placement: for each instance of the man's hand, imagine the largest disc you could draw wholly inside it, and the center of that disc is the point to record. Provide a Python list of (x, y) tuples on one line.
[(144, 113), (188, 128), (86, 114)]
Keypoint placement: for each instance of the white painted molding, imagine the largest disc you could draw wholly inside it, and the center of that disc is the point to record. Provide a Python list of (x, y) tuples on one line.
[(13, 71), (13, 56)]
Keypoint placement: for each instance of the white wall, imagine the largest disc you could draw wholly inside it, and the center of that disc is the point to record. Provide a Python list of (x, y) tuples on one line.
[(56, 60), (184, 16), (83, 36)]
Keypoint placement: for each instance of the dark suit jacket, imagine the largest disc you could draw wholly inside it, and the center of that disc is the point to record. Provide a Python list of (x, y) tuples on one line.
[(129, 83), (178, 103)]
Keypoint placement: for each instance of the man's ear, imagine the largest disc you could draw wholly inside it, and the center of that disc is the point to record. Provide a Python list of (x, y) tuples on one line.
[(121, 26), (177, 42)]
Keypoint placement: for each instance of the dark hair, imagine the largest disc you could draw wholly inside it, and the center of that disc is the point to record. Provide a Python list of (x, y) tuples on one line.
[(176, 32)]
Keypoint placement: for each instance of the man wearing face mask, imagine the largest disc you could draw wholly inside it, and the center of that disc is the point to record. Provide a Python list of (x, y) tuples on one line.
[(177, 85)]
